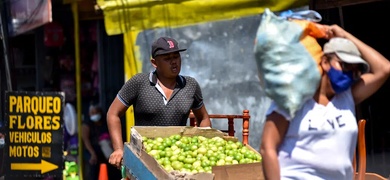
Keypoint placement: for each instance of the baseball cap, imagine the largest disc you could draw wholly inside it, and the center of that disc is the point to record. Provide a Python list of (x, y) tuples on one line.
[(165, 45), (347, 51)]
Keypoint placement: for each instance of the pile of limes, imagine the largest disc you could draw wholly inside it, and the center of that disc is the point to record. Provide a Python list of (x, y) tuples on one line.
[(197, 153)]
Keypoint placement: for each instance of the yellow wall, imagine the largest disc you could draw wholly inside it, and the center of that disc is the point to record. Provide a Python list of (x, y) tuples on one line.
[(121, 16), (132, 66), (129, 17)]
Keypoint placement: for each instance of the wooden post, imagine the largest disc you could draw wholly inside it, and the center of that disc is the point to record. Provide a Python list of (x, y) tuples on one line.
[(231, 130), (245, 126)]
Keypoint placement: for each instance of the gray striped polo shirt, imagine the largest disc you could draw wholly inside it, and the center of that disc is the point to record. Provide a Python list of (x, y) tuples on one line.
[(148, 102)]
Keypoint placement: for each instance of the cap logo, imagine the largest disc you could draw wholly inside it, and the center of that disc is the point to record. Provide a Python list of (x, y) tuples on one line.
[(171, 45)]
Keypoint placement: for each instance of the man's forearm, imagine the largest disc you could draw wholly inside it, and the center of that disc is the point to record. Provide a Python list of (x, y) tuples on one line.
[(205, 123), (115, 129)]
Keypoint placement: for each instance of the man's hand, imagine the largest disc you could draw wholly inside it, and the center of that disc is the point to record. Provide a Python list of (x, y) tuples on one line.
[(116, 158)]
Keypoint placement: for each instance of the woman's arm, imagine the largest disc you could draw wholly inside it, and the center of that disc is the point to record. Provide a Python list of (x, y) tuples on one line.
[(274, 132), (379, 67)]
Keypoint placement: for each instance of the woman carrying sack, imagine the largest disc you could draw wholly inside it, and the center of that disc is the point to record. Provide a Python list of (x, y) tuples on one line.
[(319, 140)]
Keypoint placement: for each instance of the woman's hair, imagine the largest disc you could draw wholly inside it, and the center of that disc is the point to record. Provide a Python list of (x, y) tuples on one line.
[(329, 56)]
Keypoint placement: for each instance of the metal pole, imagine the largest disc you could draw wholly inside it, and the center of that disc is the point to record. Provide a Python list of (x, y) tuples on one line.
[(5, 52), (78, 85), (2, 89)]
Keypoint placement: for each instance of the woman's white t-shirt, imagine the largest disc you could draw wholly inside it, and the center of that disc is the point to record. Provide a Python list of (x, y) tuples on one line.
[(320, 141)]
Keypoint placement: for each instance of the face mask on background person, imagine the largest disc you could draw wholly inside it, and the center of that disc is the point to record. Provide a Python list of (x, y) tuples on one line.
[(96, 117), (340, 80)]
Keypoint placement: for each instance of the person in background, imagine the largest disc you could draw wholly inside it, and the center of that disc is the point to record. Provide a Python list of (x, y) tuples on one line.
[(68, 86), (2, 147), (94, 133), (320, 140), (159, 98)]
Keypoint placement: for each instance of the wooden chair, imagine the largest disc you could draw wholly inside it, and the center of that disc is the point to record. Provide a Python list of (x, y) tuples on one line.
[(230, 118), (361, 174)]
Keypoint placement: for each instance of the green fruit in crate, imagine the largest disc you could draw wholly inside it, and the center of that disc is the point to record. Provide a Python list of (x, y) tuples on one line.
[(195, 140), (239, 144), (168, 153), (181, 158), (187, 166), (189, 160), (205, 163), (220, 162), (168, 168), (249, 155), (249, 160), (242, 161), (234, 146), (230, 152), (213, 158), (258, 157), (228, 159), (166, 162), (173, 157), (168, 142), (174, 147), (212, 163), (159, 139), (197, 153), (177, 137), (238, 156), (163, 153), (202, 150), (177, 165)]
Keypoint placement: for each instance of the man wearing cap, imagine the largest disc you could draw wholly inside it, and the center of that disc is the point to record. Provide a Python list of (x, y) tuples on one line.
[(320, 140), (160, 98)]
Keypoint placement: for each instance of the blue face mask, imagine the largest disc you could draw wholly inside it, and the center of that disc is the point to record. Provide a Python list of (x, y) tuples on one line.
[(340, 80)]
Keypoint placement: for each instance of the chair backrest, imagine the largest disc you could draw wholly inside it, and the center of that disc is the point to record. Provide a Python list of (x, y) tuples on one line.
[(361, 151), (230, 118), (361, 174)]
